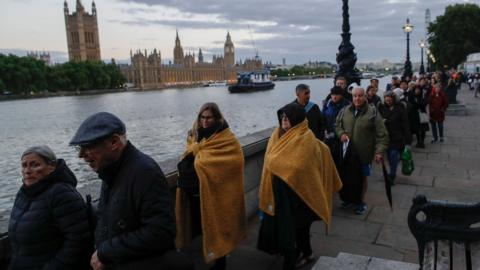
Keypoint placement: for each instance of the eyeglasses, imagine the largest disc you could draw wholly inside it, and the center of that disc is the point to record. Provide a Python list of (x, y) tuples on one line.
[(88, 147)]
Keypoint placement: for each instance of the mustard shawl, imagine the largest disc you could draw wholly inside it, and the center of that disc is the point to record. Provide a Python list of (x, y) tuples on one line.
[(219, 165), (305, 165)]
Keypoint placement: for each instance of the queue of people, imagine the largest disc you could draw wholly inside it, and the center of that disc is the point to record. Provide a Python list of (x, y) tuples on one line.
[(311, 155)]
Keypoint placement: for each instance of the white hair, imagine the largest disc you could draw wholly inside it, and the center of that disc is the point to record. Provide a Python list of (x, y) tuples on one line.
[(358, 88)]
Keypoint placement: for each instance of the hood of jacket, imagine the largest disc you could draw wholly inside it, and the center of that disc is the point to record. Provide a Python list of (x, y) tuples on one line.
[(294, 112)]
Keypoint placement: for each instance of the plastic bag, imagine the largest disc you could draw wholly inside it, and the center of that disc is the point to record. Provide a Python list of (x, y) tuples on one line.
[(407, 162)]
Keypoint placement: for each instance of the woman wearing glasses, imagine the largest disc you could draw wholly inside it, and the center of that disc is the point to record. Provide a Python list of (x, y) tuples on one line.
[(48, 226), (210, 196), (298, 180)]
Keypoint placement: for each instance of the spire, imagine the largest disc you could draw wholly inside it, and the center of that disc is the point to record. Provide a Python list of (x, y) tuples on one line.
[(80, 8), (177, 40), (228, 42), (200, 56), (65, 7), (94, 8)]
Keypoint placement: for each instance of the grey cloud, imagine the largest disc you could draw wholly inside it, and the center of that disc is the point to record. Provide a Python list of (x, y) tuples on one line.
[(308, 29)]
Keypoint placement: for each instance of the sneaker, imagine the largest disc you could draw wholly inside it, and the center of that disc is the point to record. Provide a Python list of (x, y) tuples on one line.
[(346, 205), (433, 141), (441, 139), (361, 209)]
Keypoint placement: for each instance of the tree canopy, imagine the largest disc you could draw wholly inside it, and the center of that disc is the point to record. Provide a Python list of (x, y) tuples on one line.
[(20, 75), (455, 34), (300, 70)]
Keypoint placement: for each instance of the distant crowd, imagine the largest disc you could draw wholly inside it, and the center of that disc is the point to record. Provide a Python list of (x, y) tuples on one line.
[(314, 152)]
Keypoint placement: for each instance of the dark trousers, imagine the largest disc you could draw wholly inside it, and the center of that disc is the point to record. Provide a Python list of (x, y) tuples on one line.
[(393, 160), (304, 248), (436, 126), (170, 260), (420, 137)]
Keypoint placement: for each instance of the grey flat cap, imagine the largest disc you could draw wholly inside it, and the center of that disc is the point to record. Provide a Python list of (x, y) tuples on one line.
[(96, 127)]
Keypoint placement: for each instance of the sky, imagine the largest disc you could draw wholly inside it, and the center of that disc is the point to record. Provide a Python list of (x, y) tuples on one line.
[(297, 30)]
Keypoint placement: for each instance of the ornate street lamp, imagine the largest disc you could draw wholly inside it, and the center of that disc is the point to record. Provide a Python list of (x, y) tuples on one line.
[(429, 66), (346, 57), (407, 71), (422, 68)]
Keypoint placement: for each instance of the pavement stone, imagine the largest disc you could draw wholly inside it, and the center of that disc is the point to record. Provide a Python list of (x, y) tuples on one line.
[(381, 264), (447, 182), (445, 172), (352, 229), (397, 237), (384, 215)]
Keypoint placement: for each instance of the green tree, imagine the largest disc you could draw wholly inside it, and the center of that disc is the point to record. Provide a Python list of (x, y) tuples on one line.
[(455, 34)]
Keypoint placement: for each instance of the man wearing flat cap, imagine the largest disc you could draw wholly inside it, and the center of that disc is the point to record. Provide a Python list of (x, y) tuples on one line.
[(135, 219)]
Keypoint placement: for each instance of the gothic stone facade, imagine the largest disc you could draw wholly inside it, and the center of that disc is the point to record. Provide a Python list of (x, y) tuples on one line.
[(147, 71), (82, 33)]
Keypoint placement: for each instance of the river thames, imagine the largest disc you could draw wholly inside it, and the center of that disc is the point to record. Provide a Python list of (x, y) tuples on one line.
[(156, 121)]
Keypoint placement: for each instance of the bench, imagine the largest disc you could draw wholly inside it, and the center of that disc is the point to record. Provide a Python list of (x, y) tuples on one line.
[(447, 234)]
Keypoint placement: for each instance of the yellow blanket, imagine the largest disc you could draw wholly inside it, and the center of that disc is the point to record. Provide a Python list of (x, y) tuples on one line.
[(219, 165), (306, 165)]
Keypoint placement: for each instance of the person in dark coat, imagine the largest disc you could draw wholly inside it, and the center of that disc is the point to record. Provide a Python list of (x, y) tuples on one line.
[(294, 193), (330, 112), (437, 105), (314, 116), (418, 127), (135, 220), (395, 83), (397, 124), (211, 166), (372, 96), (341, 82), (48, 226)]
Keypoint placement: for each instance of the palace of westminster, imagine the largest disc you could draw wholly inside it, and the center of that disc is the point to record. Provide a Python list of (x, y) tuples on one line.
[(146, 71)]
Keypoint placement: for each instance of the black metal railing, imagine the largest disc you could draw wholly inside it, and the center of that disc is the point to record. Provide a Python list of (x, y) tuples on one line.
[(439, 221)]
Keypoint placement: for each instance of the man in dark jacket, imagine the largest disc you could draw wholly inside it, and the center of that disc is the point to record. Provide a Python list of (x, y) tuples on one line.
[(314, 116), (135, 220), (330, 112)]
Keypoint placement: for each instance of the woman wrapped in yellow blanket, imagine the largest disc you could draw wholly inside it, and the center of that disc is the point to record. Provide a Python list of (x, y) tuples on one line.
[(210, 197), (298, 180)]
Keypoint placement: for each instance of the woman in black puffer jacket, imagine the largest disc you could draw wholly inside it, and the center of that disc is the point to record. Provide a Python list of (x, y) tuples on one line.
[(48, 228)]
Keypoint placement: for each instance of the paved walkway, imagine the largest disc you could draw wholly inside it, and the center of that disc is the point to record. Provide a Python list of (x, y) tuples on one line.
[(447, 171)]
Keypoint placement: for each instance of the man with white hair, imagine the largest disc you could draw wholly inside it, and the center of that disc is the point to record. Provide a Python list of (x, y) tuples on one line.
[(361, 125)]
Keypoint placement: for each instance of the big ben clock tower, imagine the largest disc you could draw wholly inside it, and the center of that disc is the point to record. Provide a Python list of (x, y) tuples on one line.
[(229, 52)]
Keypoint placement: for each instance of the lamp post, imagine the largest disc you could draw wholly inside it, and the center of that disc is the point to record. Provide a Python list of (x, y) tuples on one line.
[(407, 71), (346, 57), (422, 68)]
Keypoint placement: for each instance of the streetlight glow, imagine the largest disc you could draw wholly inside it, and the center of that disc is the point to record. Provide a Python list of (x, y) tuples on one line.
[(407, 28)]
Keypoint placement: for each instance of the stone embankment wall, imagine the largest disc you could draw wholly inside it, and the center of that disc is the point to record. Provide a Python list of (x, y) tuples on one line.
[(253, 145)]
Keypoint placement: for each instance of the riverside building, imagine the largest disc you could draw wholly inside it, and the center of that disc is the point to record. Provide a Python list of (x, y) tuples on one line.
[(146, 71), (82, 33)]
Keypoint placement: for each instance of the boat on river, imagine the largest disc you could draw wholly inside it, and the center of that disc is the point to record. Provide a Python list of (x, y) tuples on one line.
[(215, 84), (252, 81)]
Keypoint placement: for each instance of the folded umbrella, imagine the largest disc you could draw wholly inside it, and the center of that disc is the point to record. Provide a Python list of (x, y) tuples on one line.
[(388, 185)]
